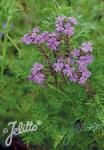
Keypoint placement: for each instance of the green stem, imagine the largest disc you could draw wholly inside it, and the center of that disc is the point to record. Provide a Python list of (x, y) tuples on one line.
[(10, 39), (5, 47), (56, 5), (49, 64), (4, 55)]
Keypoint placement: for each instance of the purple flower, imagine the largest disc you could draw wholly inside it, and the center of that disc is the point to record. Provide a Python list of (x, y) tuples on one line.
[(86, 47), (27, 39), (75, 53), (70, 72), (53, 43), (69, 31), (35, 30), (67, 25), (59, 29), (69, 60), (73, 20), (88, 59), (36, 67), (63, 26), (85, 75), (4, 25), (67, 70), (82, 80), (81, 67), (74, 76), (53, 34), (60, 19), (73, 65), (39, 39), (36, 75), (34, 38), (58, 66), (59, 26), (45, 36), (37, 78), (85, 60)]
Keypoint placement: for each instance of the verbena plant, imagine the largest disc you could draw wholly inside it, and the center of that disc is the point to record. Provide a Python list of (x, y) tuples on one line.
[(60, 53)]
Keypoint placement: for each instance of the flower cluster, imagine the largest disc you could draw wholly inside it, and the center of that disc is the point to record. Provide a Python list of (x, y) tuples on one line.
[(34, 37), (36, 74), (74, 65), (65, 25)]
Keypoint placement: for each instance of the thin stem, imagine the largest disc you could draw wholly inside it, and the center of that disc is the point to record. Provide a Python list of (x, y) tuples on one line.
[(67, 43), (49, 63), (10, 39), (47, 58), (89, 90), (66, 40), (64, 78)]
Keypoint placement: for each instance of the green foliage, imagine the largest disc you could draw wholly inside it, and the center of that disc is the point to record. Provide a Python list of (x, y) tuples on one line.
[(70, 118)]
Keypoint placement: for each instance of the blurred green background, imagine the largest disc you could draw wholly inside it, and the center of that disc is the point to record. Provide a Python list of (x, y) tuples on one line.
[(21, 100)]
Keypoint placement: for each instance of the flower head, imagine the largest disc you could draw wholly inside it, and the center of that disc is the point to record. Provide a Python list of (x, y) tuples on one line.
[(60, 19), (58, 66), (85, 75), (86, 47), (69, 31), (75, 53), (64, 25), (27, 39), (35, 30), (53, 43), (73, 20), (36, 75), (67, 70), (85, 60)]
